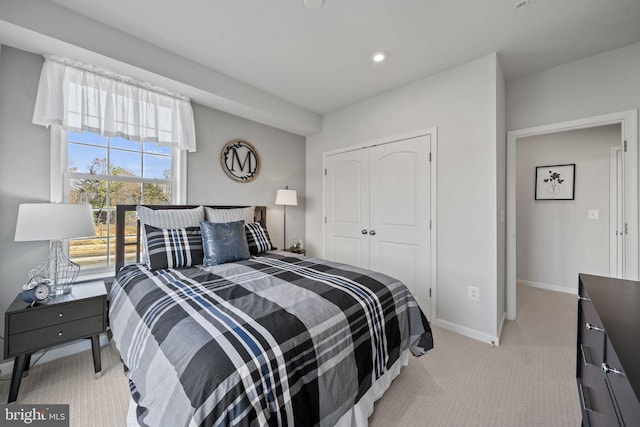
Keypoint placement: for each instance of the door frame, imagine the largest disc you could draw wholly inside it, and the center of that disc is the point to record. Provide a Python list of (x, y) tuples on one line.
[(433, 133), (629, 132), (616, 208)]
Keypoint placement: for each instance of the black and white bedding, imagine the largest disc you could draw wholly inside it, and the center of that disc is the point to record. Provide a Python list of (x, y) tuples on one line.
[(276, 340)]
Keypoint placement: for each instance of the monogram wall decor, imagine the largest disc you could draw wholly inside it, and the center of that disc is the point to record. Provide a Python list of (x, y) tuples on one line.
[(240, 160)]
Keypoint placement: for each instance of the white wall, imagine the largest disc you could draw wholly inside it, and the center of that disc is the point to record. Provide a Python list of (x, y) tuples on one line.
[(601, 84), (461, 103), (555, 239), (25, 157)]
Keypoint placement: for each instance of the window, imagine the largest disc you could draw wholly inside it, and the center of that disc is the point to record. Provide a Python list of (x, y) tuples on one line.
[(87, 108), (107, 171)]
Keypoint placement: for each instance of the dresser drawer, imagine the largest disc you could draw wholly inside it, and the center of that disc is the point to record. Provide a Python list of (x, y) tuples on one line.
[(623, 394), (40, 317), (595, 398), (31, 341), (591, 334)]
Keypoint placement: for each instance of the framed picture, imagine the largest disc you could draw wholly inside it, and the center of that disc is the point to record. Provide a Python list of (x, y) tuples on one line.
[(555, 182)]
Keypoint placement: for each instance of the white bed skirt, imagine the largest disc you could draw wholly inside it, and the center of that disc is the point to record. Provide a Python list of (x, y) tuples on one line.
[(358, 416)]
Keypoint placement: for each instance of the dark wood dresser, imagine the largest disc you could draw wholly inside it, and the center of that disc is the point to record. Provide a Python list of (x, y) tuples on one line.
[(608, 351)]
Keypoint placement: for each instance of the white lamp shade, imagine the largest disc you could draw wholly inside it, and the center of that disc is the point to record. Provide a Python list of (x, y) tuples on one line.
[(287, 197), (54, 221)]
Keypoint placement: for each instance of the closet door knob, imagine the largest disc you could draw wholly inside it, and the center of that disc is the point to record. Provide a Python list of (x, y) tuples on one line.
[(364, 231), (372, 232)]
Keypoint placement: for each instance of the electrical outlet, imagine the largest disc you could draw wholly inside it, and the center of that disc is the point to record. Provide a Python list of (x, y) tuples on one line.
[(474, 293)]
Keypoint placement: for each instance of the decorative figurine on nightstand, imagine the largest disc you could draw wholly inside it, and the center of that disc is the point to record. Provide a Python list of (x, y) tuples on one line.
[(297, 246), (36, 290)]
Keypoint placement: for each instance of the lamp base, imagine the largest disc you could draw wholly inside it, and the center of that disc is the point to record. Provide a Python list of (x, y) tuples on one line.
[(59, 269)]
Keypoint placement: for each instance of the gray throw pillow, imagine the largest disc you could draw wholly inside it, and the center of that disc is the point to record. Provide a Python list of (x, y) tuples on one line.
[(224, 242)]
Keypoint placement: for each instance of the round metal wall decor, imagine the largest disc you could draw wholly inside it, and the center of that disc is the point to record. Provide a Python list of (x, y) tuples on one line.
[(240, 160)]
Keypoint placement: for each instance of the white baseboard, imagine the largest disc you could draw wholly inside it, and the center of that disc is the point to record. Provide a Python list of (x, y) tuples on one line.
[(564, 289), (56, 353), (468, 332)]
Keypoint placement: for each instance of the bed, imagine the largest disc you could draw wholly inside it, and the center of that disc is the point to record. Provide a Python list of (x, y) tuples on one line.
[(273, 339)]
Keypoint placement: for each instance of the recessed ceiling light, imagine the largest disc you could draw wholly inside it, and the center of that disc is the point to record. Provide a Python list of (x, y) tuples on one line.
[(379, 56), (313, 4)]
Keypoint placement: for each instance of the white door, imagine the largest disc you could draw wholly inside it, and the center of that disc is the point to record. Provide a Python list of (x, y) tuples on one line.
[(347, 208), (399, 241), (377, 212)]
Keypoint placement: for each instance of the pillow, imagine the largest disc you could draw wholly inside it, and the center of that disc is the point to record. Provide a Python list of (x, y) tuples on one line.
[(230, 215), (174, 248), (257, 238), (167, 218), (224, 242)]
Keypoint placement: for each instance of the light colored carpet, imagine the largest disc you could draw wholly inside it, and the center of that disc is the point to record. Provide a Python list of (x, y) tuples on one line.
[(528, 381)]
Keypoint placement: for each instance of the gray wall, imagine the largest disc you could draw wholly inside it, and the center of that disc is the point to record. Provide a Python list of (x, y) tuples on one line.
[(555, 239), (25, 157), (283, 163), (24, 167)]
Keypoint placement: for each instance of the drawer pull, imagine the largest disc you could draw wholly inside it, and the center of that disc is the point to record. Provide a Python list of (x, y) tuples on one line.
[(59, 314), (591, 327), (606, 369), (586, 355), (581, 298), (585, 399), (59, 334)]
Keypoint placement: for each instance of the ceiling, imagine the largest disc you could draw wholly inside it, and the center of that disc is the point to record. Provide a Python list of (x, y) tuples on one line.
[(320, 59)]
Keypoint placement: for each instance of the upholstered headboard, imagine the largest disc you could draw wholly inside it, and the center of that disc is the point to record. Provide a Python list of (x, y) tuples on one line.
[(122, 243)]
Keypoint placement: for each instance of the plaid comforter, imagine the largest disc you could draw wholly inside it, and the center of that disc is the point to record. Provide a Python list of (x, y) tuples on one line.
[(273, 340)]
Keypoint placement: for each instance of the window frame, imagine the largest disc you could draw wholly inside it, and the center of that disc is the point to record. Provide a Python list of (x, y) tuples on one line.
[(59, 190)]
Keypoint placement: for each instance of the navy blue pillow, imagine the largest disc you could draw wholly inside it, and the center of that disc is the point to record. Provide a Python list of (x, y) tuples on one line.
[(224, 242)]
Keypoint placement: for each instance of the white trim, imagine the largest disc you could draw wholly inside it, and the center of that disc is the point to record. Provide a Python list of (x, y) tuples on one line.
[(616, 208), (433, 133), (629, 121), (58, 352), (503, 319), (59, 189), (573, 290), (434, 222), (468, 332), (179, 184)]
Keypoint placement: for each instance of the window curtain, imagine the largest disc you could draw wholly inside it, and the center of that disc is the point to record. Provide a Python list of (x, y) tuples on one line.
[(82, 98)]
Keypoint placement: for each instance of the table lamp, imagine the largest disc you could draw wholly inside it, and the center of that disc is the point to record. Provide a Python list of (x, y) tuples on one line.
[(55, 222), (286, 197)]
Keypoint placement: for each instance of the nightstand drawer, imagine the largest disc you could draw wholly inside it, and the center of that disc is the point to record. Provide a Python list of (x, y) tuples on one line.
[(34, 340), (29, 320)]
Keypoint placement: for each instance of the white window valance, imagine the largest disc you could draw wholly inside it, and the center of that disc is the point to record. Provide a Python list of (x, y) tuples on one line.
[(83, 98)]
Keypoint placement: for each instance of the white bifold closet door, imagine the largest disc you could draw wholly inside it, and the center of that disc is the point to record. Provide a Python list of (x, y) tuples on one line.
[(377, 208)]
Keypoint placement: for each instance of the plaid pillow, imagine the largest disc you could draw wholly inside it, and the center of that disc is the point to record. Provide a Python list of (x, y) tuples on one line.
[(174, 248), (257, 238)]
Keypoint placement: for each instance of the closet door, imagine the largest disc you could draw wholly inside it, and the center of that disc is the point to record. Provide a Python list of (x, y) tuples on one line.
[(399, 237), (347, 208)]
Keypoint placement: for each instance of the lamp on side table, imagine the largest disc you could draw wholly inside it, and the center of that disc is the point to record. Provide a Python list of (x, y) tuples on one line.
[(55, 222)]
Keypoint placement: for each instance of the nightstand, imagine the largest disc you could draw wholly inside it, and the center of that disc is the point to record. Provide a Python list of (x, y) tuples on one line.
[(297, 251), (82, 313)]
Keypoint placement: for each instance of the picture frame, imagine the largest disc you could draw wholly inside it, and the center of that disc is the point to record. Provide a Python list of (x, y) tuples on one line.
[(555, 182)]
